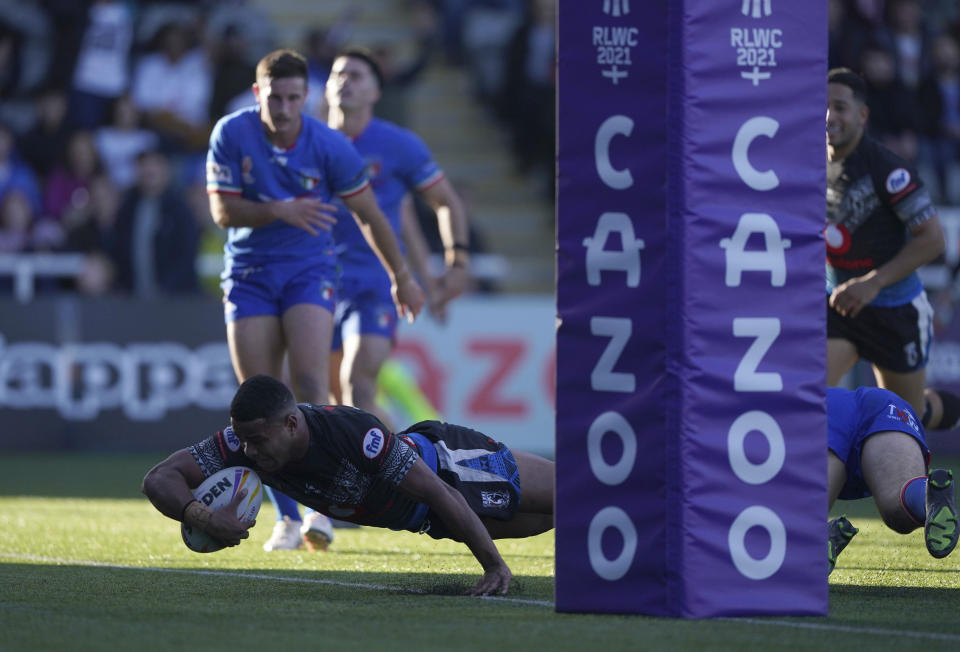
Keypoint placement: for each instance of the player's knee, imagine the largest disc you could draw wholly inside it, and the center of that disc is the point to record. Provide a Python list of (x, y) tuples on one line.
[(896, 518), (309, 387)]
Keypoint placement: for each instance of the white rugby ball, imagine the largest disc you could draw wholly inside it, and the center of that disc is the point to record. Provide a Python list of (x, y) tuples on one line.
[(218, 490)]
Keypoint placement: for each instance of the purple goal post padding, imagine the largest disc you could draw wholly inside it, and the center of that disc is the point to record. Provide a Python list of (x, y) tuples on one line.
[(691, 428)]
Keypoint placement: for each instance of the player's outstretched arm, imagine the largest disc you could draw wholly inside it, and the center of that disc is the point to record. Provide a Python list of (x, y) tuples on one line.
[(168, 484), (379, 235), (424, 486)]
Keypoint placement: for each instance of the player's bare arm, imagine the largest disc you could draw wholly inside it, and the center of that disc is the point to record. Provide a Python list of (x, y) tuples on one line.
[(379, 235), (923, 247), (455, 234), (418, 257), (168, 485), (308, 213), (426, 487)]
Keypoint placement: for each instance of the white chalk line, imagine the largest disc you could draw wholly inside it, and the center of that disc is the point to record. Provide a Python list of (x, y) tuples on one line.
[(399, 589)]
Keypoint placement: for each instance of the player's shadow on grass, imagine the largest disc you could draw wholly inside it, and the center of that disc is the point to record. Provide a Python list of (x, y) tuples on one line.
[(439, 554)]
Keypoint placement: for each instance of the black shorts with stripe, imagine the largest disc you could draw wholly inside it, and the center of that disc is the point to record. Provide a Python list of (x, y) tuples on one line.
[(895, 338), (482, 470)]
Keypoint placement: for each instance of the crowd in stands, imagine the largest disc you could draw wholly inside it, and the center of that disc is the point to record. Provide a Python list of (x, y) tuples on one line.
[(106, 107), (105, 112), (908, 52)]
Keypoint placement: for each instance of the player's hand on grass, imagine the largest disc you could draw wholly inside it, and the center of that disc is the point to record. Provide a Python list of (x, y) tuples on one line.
[(224, 524), (407, 295), (853, 296), (495, 581), (307, 213)]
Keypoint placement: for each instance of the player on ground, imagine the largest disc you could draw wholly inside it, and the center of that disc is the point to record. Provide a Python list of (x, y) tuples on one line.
[(881, 227), (365, 322), (271, 174), (436, 478), (876, 447)]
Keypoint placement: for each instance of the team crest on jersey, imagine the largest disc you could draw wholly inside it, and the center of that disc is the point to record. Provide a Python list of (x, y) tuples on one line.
[(897, 180), (373, 442), (309, 178), (233, 443), (385, 316), (219, 173), (327, 291), (246, 167), (500, 499), (374, 168)]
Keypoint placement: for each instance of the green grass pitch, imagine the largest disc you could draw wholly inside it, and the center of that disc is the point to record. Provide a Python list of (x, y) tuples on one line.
[(87, 564)]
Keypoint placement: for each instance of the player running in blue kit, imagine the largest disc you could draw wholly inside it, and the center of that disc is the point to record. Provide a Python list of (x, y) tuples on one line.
[(876, 447), (272, 172), (365, 323), (440, 479)]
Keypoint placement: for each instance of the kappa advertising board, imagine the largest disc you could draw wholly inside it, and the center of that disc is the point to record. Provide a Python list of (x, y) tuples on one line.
[(691, 428), (130, 376)]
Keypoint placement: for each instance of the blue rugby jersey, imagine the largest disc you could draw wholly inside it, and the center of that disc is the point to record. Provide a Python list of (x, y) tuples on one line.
[(241, 161), (397, 162)]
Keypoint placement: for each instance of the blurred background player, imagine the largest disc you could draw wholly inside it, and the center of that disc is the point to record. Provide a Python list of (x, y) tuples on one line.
[(881, 227), (876, 447), (397, 162), (272, 195)]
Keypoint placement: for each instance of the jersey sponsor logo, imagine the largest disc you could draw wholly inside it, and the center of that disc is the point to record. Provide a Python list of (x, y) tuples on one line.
[(233, 443), (496, 499), (219, 173), (897, 180), (903, 416), (373, 442), (838, 238)]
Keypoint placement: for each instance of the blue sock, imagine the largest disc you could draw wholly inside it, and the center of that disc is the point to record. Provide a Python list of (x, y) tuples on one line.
[(286, 506), (913, 497)]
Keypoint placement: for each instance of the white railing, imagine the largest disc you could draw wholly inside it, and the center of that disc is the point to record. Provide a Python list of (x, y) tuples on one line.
[(25, 269)]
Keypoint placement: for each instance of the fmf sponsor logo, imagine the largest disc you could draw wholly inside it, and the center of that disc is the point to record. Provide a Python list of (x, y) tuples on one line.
[(233, 443), (221, 487), (373, 442), (897, 180)]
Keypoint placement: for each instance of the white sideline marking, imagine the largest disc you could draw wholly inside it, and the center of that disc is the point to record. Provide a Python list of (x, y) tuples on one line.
[(257, 576), (847, 628), (541, 603)]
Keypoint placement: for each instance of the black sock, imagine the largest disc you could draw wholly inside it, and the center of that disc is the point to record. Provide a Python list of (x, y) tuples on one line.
[(951, 410)]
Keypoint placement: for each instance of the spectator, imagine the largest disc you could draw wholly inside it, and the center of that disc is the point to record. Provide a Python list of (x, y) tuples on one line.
[(911, 40), (102, 69), (528, 99), (893, 110), (173, 86), (14, 173), (939, 97), (86, 230), (42, 145), (154, 241), (16, 221), (232, 72), (67, 185), (120, 142)]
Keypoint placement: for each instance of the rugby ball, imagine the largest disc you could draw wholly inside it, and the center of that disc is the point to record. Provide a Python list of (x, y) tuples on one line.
[(215, 492)]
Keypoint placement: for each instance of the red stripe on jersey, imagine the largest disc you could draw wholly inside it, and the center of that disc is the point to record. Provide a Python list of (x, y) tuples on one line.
[(897, 197)]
